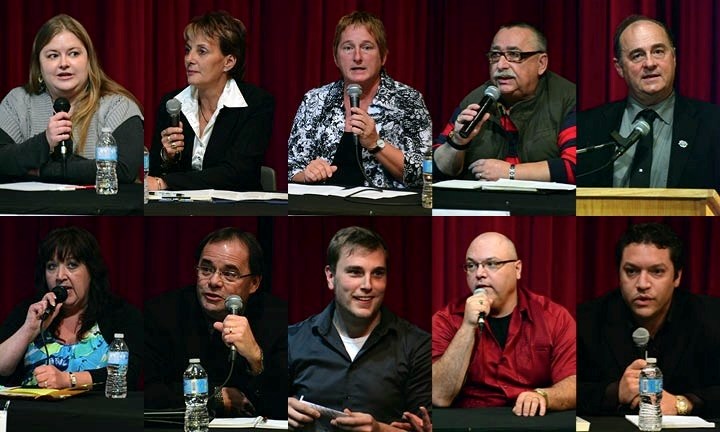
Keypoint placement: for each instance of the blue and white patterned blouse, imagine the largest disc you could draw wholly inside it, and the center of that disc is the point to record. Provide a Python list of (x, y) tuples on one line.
[(90, 352), (401, 119)]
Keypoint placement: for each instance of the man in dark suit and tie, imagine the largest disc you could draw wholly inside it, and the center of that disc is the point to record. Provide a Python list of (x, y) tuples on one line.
[(682, 148)]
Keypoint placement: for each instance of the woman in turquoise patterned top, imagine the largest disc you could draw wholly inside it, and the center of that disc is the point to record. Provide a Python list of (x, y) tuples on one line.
[(69, 348)]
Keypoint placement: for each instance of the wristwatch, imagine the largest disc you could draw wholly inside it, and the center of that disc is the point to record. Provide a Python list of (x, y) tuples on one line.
[(511, 173), (73, 380), (542, 393), (379, 145), (681, 404), (451, 142)]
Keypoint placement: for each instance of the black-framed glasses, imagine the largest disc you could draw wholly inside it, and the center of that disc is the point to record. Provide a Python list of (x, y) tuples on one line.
[(489, 265), (228, 276), (512, 56)]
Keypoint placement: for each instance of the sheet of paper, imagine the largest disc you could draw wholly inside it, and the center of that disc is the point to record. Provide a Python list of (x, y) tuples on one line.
[(248, 422), (302, 189), (503, 184), (363, 192), (207, 195), (249, 196), (39, 187), (677, 422), (581, 425), (3, 421)]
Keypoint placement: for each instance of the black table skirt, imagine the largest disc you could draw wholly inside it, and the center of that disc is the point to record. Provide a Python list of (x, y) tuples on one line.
[(86, 412), (499, 419), (128, 201), (517, 203)]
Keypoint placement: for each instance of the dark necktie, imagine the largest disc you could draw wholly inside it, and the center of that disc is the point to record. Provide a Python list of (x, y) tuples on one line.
[(642, 162)]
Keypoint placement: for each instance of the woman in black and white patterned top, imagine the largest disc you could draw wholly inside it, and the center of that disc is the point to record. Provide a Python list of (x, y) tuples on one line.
[(392, 123)]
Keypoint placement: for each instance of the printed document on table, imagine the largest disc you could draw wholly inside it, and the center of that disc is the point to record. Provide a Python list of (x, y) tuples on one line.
[(248, 422), (40, 187), (503, 184), (677, 422)]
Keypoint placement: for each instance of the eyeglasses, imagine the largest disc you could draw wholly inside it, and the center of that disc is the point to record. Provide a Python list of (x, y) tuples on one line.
[(639, 56), (228, 276), (489, 265), (511, 56)]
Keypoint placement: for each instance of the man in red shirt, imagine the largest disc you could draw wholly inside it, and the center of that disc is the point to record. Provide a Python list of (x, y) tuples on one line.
[(524, 356)]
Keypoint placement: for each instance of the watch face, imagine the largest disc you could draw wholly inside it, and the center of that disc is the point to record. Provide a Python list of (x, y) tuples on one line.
[(380, 143)]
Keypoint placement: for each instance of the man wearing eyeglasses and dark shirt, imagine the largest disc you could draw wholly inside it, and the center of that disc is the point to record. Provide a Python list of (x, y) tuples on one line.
[(193, 323), (356, 356), (523, 356), (681, 148), (530, 133)]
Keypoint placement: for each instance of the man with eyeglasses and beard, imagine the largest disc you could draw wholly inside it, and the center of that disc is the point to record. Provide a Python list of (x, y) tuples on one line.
[(523, 356), (681, 148), (193, 322), (529, 134)]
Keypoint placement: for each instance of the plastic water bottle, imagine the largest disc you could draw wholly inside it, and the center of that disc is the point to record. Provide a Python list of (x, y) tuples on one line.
[(427, 169), (118, 355), (195, 388), (146, 170), (106, 182), (651, 387)]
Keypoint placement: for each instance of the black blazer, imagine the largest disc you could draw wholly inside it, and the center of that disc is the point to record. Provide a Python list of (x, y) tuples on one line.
[(235, 152), (687, 350), (696, 166)]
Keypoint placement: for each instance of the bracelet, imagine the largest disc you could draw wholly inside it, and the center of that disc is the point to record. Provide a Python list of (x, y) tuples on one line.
[(455, 145), (512, 172)]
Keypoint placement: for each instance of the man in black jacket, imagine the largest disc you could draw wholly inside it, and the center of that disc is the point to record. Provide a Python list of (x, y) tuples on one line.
[(680, 150), (193, 323), (684, 333)]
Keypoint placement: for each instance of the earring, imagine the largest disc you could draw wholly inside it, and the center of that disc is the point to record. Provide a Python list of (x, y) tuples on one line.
[(42, 84)]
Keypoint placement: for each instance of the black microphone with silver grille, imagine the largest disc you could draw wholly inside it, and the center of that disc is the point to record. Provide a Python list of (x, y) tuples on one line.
[(234, 305), (481, 317), (641, 337)]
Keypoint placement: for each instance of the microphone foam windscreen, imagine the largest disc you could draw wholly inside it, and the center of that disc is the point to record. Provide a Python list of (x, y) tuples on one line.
[(641, 336), (173, 106), (493, 92), (234, 304), (60, 293), (61, 105)]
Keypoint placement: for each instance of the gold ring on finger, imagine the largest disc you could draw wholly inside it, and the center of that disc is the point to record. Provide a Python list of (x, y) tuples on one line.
[(173, 146)]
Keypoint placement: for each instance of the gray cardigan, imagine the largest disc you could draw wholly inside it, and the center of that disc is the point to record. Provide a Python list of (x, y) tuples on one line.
[(23, 146)]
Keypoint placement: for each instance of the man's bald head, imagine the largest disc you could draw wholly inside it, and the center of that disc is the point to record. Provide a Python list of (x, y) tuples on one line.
[(497, 241)]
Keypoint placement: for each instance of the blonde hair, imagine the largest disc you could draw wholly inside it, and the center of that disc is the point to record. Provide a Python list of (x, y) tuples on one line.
[(98, 84), (372, 24)]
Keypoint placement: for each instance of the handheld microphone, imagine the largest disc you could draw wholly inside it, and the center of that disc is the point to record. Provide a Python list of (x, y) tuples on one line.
[(234, 305), (641, 337), (63, 105), (173, 108), (354, 91), (60, 296), (492, 94), (640, 128), (481, 317)]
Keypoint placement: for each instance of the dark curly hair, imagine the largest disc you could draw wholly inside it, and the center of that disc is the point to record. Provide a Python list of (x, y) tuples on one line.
[(657, 234)]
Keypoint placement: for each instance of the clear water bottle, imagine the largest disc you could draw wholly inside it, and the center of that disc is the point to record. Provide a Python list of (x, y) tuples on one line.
[(117, 365), (427, 169), (651, 387), (146, 170), (106, 182), (195, 388)]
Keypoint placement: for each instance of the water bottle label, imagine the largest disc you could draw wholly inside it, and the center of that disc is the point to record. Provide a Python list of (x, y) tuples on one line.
[(108, 153), (118, 358), (427, 166), (651, 385), (146, 162), (195, 386)]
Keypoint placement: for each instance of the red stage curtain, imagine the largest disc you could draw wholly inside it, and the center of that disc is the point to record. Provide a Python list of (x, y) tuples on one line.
[(598, 272), (121, 243), (170, 244), (546, 246), (408, 287), (695, 26)]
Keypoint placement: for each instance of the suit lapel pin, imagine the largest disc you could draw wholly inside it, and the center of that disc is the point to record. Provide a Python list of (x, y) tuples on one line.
[(682, 143)]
